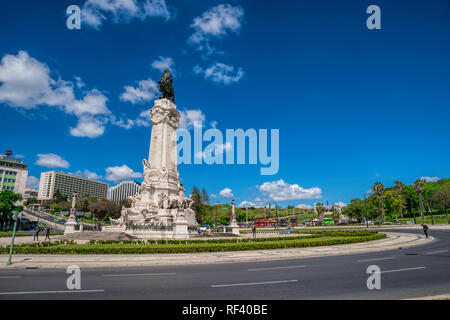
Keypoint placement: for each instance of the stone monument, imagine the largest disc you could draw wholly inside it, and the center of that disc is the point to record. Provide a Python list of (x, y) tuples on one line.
[(69, 226), (233, 223), (160, 204)]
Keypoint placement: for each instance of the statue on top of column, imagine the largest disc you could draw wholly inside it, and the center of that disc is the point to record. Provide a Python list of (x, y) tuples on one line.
[(165, 86)]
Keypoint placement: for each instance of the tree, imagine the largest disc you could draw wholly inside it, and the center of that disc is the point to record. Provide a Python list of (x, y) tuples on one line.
[(399, 186), (8, 200), (441, 198), (30, 201), (411, 199), (418, 186), (197, 204), (56, 209), (59, 197), (378, 189), (320, 208), (354, 210)]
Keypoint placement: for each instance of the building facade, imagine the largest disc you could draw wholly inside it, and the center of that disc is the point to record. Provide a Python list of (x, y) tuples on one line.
[(13, 174), (124, 190), (67, 184)]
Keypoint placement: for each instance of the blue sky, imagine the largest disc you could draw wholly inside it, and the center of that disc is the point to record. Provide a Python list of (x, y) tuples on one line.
[(353, 105)]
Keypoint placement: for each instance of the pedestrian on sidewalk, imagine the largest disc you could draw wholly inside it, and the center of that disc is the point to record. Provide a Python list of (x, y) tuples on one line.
[(47, 233), (425, 229), (254, 231), (36, 233)]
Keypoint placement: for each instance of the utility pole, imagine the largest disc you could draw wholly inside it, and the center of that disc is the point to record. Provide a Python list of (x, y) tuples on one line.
[(246, 215)]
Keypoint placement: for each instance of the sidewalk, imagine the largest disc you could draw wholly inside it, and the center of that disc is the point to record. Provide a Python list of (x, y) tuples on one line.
[(392, 242)]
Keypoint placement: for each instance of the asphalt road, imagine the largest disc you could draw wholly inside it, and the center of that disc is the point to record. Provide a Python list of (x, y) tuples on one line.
[(405, 273)]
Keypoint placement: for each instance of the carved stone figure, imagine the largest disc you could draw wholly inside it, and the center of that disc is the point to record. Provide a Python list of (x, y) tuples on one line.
[(165, 86), (173, 204)]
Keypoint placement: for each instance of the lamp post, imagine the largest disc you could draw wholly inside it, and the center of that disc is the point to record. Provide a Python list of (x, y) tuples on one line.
[(365, 211), (15, 218), (246, 215)]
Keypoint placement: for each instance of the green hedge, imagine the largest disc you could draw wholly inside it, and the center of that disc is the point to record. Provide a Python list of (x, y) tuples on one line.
[(49, 248)]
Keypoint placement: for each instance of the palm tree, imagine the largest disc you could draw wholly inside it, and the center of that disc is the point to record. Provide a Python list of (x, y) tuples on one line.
[(398, 185), (320, 208), (418, 185), (378, 189)]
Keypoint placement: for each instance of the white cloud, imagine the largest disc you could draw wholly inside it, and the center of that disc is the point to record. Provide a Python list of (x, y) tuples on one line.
[(282, 191), (117, 174), (146, 91), (88, 127), (430, 179), (26, 83), (220, 73), (79, 82), (189, 117), (217, 22), (213, 196), (95, 12), (93, 103), (226, 193), (304, 206), (88, 174), (33, 183), (164, 62), (51, 160)]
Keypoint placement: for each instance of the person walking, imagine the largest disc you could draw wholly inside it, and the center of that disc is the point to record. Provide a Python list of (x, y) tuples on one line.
[(47, 233), (254, 231), (36, 233), (425, 229)]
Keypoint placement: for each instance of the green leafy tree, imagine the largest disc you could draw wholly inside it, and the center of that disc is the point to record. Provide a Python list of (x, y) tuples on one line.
[(411, 199), (419, 184), (399, 186), (354, 210), (8, 200), (197, 203), (59, 197), (378, 189), (30, 201), (56, 209), (441, 198)]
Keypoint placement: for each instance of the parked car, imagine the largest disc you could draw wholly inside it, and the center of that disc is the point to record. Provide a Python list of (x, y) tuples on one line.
[(290, 229), (396, 223)]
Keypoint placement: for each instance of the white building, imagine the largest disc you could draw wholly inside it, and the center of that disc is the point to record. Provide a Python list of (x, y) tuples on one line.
[(13, 174), (67, 184), (123, 190)]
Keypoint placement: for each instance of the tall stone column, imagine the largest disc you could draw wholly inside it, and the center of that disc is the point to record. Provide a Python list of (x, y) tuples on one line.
[(233, 223), (69, 226)]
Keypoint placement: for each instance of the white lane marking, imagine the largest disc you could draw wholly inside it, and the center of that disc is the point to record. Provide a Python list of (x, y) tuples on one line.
[(10, 277), (436, 252), (406, 269), (250, 283), (138, 274), (49, 292), (376, 259), (275, 268)]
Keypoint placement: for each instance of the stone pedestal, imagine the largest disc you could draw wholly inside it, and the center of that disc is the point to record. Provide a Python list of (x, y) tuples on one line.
[(69, 227), (234, 228), (180, 227)]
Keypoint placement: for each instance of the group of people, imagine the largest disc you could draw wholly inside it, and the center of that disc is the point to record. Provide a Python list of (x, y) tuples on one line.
[(38, 229)]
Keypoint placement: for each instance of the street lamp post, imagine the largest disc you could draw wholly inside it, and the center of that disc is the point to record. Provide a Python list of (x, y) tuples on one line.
[(15, 217), (365, 211), (246, 215)]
